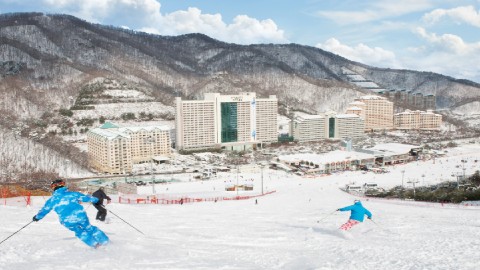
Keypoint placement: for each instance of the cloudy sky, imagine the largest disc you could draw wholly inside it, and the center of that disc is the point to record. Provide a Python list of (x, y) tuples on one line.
[(427, 35)]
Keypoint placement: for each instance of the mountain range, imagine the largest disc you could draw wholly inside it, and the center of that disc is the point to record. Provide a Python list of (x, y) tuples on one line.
[(45, 60)]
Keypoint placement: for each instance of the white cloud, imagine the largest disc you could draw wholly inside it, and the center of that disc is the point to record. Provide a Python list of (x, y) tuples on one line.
[(446, 54), (448, 43), (147, 16), (376, 11), (362, 53), (99, 10), (465, 14)]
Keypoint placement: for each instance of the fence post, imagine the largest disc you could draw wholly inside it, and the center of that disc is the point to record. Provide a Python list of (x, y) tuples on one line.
[(29, 198), (4, 194)]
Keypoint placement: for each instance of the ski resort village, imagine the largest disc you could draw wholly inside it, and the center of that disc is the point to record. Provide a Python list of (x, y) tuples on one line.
[(229, 183)]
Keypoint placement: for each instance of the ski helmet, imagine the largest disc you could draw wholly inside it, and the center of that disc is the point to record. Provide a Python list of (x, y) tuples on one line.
[(57, 183), (356, 200)]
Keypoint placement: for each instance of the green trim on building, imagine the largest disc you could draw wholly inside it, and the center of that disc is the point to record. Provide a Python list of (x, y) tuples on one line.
[(229, 131), (331, 127), (108, 125)]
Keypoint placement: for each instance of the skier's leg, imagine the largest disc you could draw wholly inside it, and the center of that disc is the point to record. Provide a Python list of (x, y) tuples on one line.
[(100, 236), (99, 209), (81, 234), (102, 214), (92, 233), (349, 224)]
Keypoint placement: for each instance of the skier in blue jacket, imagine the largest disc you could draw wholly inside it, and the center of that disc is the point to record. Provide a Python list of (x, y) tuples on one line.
[(71, 214), (357, 214)]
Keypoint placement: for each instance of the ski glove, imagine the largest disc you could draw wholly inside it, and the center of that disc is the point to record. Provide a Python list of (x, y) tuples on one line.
[(35, 218), (369, 217)]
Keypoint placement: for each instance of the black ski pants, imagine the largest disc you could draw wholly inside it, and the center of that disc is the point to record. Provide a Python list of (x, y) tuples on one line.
[(102, 212)]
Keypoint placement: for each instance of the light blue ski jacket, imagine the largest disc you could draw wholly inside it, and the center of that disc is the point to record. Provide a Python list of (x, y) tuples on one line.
[(65, 204), (358, 211)]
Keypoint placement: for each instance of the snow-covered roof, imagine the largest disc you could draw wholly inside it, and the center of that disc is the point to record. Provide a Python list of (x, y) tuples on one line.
[(354, 108), (370, 97), (430, 112), (146, 128), (160, 158), (347, 115), (309, 117), (109, 134), (114, 131), (334, 156), (393, 148), (356, 103)]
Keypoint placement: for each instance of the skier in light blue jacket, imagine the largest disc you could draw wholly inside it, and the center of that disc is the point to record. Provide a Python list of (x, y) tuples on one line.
[(357, 215), (71, 214)]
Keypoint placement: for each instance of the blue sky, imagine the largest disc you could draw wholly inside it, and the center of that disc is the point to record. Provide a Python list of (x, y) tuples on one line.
[(427, 35)]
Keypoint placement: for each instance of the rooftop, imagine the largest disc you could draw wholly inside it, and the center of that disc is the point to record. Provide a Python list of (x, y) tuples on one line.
[(334, 156)]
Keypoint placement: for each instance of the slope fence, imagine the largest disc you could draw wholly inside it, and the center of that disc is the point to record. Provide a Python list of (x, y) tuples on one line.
[(139, 199), (7, 199)]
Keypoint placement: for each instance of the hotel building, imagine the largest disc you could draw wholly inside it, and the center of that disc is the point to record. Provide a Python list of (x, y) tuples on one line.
[(417, 120), (329, 125), (305, 128), (113, 149), (376, 111), (231, 122)]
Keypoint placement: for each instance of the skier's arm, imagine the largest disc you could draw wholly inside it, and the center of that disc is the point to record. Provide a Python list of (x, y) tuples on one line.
[(347, 208), (369, 215), (86, 198), (105, 196), (45, 209)]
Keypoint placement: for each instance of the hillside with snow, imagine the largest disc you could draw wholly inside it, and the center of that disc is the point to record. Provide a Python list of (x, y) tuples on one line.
[(294, 228)]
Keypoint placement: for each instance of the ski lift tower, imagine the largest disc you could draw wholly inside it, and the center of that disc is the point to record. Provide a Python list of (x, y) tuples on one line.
[(413, 182)]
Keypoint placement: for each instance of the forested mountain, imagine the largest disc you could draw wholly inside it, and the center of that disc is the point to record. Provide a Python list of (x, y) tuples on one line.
[(53, 64)]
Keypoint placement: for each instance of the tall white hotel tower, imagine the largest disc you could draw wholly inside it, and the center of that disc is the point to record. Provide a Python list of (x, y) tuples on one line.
[(231, 122)]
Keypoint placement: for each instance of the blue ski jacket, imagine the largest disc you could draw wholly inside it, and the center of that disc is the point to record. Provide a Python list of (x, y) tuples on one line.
[(358, 211), (66, 204)]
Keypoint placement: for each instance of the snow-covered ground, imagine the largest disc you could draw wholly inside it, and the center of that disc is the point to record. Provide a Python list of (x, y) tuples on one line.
[(113, 110), (280, 232)]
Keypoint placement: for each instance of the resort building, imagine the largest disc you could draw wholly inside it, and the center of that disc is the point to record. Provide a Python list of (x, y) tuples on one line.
[(375, 110), (420, 120), (359, 159), (342, 126), (231, 122), (329, 125), (305, 128), (329, 162), (393, 153), (113, 149)]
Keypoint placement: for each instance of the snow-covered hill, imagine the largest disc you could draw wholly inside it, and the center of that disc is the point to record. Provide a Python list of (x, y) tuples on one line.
[(280, 232)]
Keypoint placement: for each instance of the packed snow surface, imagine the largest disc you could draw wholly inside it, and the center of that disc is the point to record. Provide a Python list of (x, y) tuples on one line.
[(280, 232)]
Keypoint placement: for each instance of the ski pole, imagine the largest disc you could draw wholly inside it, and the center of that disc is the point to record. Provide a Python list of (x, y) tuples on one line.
[(374, 222), (322, 219), (16, 232), (123, 220)]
